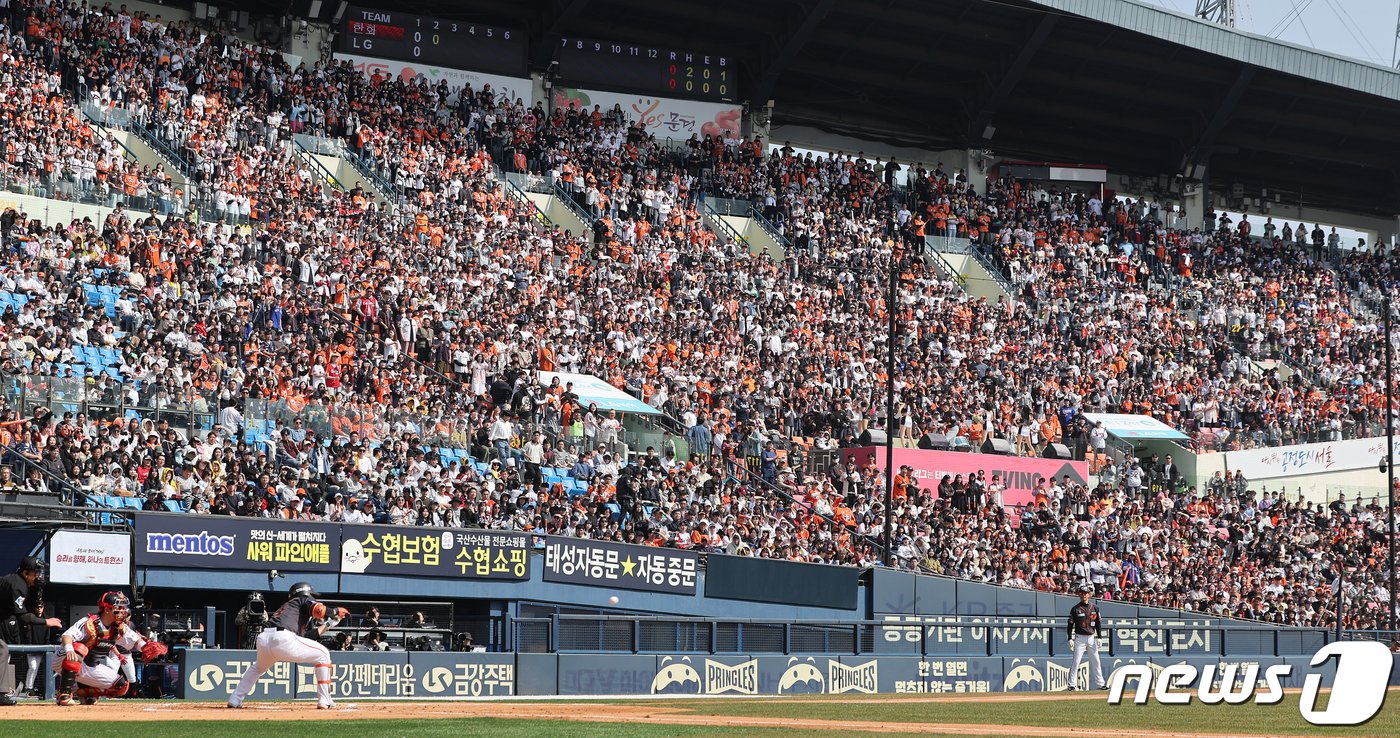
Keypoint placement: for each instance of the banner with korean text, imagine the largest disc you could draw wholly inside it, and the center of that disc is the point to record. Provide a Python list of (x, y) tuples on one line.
[(620, 565), (662, 117), (454, 553), (79, 557), (215, 542), (1308, 458)]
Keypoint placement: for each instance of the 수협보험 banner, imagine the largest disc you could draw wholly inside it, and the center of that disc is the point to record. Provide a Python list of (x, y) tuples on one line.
[(473, 553)]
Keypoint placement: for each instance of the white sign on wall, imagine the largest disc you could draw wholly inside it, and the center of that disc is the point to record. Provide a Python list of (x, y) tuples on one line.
[(78, 557), (511, 87), (1307, 458), (663, 117)]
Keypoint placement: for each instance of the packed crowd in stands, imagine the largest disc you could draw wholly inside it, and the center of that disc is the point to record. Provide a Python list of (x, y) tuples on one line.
[(418, 323)]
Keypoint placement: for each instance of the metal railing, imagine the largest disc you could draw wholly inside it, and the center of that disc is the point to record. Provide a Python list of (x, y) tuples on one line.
[(24, 392), (942, 264), (574, 206), (772, 229), (309, 156), (932, 636), (514, 190), (716, 223)]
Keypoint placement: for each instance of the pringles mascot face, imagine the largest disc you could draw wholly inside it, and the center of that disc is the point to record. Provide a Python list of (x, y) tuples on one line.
[(1024, 678), (676, 677), (802, 677)]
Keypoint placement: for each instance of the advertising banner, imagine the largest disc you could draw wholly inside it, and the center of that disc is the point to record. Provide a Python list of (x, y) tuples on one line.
[(511, 87), (1020, 474), (471, 553), (209, 542), (663, 117), (620, 566), (76, 557), (1308, 458), (212, 675)]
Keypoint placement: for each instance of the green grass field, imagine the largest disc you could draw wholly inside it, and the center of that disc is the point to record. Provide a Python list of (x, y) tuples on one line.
[(981, 719)]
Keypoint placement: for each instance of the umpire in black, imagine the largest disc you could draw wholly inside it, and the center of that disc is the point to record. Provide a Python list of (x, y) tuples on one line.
[(16, 619)]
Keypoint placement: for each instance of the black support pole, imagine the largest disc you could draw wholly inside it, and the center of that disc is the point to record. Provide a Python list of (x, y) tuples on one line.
[(891, 308)]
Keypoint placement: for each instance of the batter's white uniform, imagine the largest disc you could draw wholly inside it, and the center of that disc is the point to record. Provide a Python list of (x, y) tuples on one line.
[(280, 642), (1089, 644)]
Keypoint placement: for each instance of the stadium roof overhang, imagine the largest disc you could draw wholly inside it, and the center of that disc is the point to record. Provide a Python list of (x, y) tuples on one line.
[(1131, 86)]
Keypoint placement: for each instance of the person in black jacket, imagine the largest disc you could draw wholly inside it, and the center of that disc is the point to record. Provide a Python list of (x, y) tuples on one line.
[(16, 619)]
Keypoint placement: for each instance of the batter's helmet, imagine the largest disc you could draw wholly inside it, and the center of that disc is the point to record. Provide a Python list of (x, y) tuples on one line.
[(302, 588)]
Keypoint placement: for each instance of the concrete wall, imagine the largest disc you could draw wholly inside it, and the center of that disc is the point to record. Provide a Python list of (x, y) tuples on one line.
[(559, 213), (51, 211), (977, 281)]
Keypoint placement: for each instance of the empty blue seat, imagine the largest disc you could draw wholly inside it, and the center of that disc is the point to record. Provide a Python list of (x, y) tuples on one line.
[(174, 506)]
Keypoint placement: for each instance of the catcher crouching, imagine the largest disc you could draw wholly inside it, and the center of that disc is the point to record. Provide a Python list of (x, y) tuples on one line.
[(90, 664)]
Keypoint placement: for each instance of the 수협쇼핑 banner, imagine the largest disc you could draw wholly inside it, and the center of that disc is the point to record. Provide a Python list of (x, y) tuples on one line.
[(473, 553)]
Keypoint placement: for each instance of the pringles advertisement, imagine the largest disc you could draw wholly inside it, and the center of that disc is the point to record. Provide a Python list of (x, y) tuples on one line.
[(663, 117)]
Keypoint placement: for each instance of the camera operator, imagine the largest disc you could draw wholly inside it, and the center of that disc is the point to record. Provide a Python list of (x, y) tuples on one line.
[(376, 641), (462, 642), (340, 641), (251, 620)]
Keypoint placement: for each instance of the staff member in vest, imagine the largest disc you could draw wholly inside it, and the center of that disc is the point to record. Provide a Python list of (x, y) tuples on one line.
[(1084, 624), (15, 617)]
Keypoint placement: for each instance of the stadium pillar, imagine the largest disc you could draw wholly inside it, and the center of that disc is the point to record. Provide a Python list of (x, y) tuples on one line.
[(890, 431), (1390, 456)]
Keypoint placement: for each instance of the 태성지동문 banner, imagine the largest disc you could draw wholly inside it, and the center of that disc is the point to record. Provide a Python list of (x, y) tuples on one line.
[(620, 565)]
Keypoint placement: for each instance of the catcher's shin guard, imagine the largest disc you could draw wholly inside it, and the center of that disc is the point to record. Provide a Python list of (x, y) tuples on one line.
[(67, 678)]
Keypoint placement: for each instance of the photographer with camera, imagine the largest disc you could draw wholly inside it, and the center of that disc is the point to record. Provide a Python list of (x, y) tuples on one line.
[(251, 620)]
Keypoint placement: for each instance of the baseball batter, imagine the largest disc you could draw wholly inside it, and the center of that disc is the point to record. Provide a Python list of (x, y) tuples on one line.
[(90, 665), (1084, 637), (283, 640)]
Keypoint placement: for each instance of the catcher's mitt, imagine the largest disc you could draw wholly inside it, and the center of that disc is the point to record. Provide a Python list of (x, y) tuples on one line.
[(153, 650)]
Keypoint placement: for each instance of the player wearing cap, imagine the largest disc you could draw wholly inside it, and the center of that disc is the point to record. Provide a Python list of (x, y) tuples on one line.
[(1084, 636), (15, 617), (283, 640), (89, 664)]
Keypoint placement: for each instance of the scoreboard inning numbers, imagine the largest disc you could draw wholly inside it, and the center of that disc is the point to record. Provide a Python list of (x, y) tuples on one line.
[(430, 41), (651, 70), (584, 62)]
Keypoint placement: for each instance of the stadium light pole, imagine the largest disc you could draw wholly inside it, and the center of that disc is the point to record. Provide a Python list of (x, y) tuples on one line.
[(890, 306), (1390, 456)]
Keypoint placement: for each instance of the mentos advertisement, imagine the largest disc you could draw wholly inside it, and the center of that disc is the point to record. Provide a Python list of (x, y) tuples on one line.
[(512, 87), (663, 117), (1020, 474), (213, 542)]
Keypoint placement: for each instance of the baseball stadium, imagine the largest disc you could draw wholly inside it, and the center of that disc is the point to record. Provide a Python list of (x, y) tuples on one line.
[(652, 368)]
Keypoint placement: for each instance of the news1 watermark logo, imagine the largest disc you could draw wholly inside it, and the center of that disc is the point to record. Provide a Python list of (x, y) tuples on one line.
[(1358, 688)]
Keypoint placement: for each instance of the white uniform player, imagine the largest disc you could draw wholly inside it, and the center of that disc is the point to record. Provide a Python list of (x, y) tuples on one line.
[(1084, 622), (89, 665), (282, 640)]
